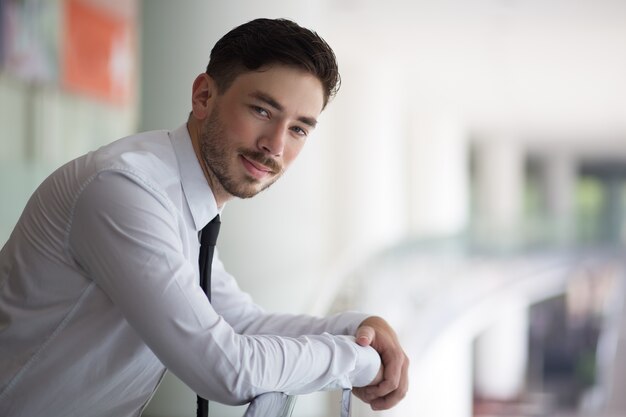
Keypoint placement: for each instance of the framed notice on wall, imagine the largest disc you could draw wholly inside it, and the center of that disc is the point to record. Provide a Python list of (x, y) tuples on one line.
[(97, 51), (29, 35)]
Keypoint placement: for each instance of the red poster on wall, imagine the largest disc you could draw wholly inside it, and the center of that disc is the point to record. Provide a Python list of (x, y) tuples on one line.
[(98, 54)]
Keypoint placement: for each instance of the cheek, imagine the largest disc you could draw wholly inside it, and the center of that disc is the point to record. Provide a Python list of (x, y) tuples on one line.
[(241, 128)]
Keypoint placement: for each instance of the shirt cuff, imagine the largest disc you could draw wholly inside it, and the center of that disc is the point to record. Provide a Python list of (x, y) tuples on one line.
[(367, 364)]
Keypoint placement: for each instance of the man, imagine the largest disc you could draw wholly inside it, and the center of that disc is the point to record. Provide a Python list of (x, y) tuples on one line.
[(99, 281)]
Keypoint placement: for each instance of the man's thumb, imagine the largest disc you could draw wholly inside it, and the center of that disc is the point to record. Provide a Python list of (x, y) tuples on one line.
[(365, 335)]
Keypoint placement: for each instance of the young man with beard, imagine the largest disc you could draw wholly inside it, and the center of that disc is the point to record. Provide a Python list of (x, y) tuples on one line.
[(99, 281)]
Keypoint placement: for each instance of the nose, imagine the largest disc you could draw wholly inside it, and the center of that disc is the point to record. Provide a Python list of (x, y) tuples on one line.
[(272, 140)]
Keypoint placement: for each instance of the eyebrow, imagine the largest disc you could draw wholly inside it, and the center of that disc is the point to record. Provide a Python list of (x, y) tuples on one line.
[(267, 99)]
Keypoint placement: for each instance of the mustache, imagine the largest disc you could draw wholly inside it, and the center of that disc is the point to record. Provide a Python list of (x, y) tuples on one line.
[(262, 159)]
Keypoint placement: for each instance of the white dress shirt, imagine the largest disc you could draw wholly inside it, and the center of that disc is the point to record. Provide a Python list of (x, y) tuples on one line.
[(99, 294)]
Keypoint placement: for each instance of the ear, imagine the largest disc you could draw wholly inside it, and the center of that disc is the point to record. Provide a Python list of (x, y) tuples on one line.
[(203, 91)]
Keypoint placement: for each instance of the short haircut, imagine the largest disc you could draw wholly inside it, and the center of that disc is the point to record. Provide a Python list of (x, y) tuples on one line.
[(262, 42)]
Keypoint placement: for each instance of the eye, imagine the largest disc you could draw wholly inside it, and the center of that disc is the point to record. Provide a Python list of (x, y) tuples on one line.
[(299, 131), (260, 111)]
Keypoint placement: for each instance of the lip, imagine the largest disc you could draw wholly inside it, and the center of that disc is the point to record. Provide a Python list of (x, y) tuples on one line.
[(255, 169)]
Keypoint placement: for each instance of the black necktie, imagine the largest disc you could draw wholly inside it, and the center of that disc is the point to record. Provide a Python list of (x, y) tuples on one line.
[(207, 247)]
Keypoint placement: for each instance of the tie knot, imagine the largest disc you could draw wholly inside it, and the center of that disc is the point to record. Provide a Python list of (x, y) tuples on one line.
[(210, 232)]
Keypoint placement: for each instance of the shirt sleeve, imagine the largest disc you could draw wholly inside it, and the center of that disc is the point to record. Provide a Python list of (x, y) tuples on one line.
[(126, 236)]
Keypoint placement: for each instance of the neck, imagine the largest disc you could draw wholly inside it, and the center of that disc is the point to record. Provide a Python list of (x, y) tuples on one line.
[(221, 196)]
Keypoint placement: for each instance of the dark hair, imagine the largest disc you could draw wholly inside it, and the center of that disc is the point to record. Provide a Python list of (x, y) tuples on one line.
[(268, 41)]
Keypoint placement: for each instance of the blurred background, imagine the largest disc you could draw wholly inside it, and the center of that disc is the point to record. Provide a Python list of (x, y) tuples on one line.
[(467, 183)]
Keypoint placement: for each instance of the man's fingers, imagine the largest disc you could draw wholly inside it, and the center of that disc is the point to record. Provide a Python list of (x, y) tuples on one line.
[(391, 390), (385, 403), (393, 398), (377, 333), (393, 362), (365, 335), (394, 365), (359, 392)]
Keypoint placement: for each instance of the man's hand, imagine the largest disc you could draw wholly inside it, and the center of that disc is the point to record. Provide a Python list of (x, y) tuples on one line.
[(376, 332)]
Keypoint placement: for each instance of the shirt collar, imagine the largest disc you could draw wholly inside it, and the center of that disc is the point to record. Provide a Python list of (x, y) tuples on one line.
[(199, 195)]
